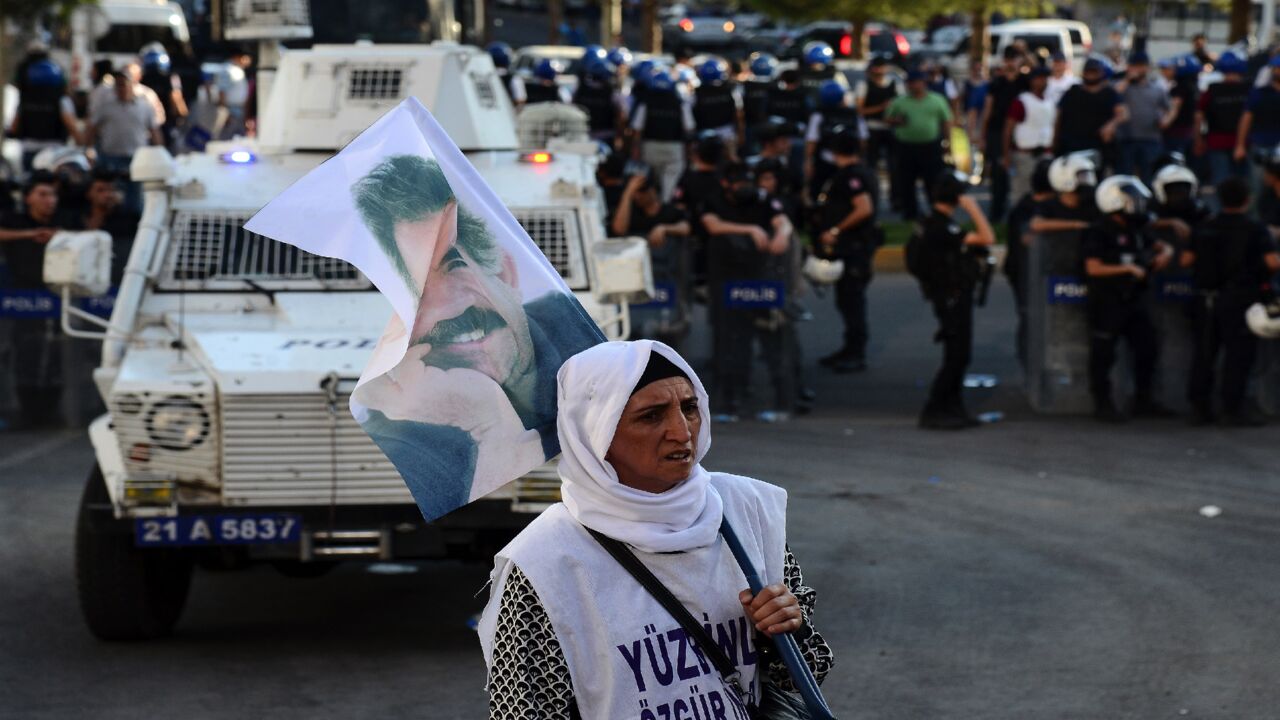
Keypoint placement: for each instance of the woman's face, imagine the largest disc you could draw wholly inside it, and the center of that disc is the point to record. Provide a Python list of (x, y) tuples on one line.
[(653, 447)]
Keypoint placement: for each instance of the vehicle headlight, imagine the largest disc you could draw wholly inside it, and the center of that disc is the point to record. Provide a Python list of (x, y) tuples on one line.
[(177, 423)]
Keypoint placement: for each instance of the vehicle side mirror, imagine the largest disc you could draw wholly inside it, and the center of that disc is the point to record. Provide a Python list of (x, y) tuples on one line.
[(623, 271), (79, 262)]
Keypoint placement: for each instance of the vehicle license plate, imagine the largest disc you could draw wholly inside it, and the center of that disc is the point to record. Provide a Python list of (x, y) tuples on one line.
[(252, 529)]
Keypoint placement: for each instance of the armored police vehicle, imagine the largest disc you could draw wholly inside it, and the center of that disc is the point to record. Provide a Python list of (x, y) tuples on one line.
[(228, 357)]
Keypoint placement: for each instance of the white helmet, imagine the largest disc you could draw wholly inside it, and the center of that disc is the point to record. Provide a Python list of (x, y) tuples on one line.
[(1264, 320), (1071, 171), (822, 271), (1122, 194), (52, 158), (1170, 175)]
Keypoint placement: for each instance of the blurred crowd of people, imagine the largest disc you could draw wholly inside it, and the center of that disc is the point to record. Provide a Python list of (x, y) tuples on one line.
[(747, 179), (76, 151)]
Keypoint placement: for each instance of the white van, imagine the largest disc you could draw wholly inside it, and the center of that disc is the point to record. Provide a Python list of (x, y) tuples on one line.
[(115, 30)]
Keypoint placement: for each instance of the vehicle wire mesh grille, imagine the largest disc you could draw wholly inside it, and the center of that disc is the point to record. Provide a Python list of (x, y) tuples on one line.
[(540, 122), (374, 83), (267, 13), (483, 83), (555, 232), (278, 450), (209, 248)]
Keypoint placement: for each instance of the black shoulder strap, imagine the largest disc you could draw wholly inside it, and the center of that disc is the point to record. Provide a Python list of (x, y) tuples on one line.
[(692, 627)]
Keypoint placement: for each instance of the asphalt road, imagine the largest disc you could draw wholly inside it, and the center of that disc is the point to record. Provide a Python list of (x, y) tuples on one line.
[(1035, 568)]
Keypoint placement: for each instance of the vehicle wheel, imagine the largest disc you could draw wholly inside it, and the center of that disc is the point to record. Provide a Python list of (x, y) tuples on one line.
[(126, 592), (303, 570)]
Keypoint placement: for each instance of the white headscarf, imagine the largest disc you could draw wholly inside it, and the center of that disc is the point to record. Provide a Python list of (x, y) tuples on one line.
[(594, 387)]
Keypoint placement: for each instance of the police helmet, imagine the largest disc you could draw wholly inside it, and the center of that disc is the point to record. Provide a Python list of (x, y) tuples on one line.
[(501, 54), (546, 70), (1040, 177), (1070, 172), (821, 271), (709, 147), (597, 68), (45, 73), (1264, 320), (763, 65), (55, 159), (642, 71), (713, 70), (948, 186), (831, 94), (1170, 175), (1233, 64), (1186, 66), (661, 81), (157, 61), (594, 50), (1124, 194), (844, 140), (619, 56), (819, 53)]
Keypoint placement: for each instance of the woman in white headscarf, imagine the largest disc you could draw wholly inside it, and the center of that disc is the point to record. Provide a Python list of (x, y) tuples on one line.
[(569, 633)]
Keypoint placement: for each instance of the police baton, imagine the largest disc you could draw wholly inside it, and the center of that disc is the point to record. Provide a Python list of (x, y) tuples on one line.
[(788, 650)]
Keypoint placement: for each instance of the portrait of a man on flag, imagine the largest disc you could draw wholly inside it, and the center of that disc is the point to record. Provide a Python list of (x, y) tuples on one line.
[(460, 393)]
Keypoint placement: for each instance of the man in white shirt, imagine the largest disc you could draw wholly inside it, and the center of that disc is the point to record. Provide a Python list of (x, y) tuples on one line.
[(1028, 132), (233, 94), (1061, 79)]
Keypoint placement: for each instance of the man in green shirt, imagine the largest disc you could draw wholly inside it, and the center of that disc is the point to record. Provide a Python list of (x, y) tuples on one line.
[(921, 120)]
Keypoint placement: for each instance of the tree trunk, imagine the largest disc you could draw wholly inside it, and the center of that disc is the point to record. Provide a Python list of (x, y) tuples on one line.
[(1241, 10), (978, 34), (650, 31), (859, 39), (555, 16)]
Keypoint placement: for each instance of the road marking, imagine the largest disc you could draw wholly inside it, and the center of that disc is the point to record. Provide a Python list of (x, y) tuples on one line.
[(38, 450)]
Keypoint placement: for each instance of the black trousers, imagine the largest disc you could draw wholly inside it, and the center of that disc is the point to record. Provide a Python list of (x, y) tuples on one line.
[(1109, 322), (880, 145), (916, 162), (955, 331), (999, 177), (776, 335), (1220, 330), (851, 302)]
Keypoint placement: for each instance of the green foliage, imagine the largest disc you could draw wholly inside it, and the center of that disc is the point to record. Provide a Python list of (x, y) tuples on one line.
[(24, 11)]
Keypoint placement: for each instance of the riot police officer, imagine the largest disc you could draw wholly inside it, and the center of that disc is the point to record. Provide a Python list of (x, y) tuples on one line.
[(1178, 208), (817, 66), (545, 88), (500, 53), (846, 210), (45, 116), (745, 229), (755, 96), (1233, 257), (1118, 255), (834, 111), (158, 75), (597, 94), (946, 260), (699, 188), (717, 104), (662, 121)]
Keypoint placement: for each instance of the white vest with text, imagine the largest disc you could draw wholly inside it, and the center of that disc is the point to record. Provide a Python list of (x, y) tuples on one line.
[(628, 658)]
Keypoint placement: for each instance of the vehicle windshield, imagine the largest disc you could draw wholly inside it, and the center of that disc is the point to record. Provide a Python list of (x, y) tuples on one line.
[(1077, 37), (1041, 44), (125, 39)]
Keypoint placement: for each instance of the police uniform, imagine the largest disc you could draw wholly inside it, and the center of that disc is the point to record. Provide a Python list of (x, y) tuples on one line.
[(734, 258), (755, 107), (541, 92), (35, 342), (792, 105), (715, 107), (667, 318), (948, 284), (822, 126), (855, 246), (811, 81), (697, 190), (1228, 274), (600, 101), (663, 120), (1117, 308)]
